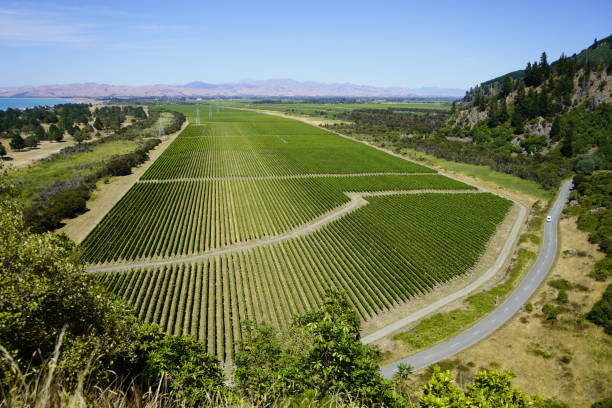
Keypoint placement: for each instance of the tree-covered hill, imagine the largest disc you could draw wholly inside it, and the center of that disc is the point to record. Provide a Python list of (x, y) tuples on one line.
[(557, 111)]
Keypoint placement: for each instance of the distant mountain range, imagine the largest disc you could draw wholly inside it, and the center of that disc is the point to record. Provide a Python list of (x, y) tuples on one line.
[(271, 87)]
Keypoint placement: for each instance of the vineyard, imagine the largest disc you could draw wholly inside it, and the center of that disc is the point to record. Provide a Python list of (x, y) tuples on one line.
[(242, 177), (197, 216)]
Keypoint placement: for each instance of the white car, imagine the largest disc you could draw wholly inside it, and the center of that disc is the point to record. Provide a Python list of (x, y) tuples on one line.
[(548, 218)]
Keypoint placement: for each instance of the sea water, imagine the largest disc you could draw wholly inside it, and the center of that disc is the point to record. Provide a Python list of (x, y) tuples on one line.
[(22, 103)]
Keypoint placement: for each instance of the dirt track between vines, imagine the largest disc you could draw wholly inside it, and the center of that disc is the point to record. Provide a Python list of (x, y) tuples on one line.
[(287, 177), (357, 200)]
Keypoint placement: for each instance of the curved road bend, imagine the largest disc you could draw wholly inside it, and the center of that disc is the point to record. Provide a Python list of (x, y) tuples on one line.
[(489, 324)]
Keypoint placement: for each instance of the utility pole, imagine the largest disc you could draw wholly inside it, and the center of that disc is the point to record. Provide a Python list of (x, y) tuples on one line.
[(160, 130), (197, 121)]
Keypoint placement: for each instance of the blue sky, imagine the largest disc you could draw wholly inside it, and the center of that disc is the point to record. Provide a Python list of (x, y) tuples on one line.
[(384, 43)]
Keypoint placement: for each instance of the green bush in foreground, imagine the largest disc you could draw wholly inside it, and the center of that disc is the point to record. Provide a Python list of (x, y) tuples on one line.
[(320, 353), (489, 389), (45, 295)]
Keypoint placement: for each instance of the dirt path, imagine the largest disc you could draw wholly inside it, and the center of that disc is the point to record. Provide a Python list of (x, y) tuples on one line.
[(24, 158), (290, 176), (357, 201), (108, 194)]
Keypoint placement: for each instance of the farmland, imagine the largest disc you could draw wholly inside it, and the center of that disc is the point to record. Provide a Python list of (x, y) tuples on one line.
[(241, 178), (331, 109)]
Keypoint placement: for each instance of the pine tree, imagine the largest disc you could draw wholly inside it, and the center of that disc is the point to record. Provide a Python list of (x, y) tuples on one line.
[(544, 67), (555, 130), (567, 149), (506, 86), (17, 142), (98, 124)]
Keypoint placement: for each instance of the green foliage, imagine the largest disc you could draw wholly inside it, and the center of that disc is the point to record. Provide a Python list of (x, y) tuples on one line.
[(489, 389), (563, 284), (551, 312), (594, 195), (601, 313), (604, 403), (602, 269), (533, 143), (55, 133), (403, 372), (583, 129), (586, 164), (17, 142), (330, 360), (562, 296), (193, 374)]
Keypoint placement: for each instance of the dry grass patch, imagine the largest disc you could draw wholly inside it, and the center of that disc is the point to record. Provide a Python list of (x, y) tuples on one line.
[(567, 358)]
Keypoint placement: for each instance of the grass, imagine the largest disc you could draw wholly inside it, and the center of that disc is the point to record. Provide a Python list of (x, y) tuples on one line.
[(441, 326), (57, 167), (484, 173)]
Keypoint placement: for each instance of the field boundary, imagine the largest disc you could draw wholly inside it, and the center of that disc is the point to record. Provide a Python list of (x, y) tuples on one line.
[(357, 200), (79, 227), (286, 177)]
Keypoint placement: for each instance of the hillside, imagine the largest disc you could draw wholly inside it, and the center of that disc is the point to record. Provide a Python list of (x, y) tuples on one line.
[(271, 87), (556, 110)]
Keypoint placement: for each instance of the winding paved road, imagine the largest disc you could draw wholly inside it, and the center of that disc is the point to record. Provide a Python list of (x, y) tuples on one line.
[(486, 326)]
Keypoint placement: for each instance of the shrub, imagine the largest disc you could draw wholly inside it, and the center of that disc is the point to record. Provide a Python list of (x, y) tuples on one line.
[(562, 296), (602, 269), (601, 313), (561, 284), (550, 312)]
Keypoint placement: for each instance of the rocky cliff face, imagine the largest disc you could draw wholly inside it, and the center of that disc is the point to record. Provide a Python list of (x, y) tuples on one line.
[(593, 89)]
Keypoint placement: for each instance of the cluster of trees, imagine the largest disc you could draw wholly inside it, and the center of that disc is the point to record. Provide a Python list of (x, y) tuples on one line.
[(594, 208), (542, 90), (24, 127), (12, 119), (68, 198), (391, 121), (50, 306), (544, 170), (112, 117)]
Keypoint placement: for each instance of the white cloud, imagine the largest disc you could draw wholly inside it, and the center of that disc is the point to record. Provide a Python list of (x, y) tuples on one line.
[(18, 27)]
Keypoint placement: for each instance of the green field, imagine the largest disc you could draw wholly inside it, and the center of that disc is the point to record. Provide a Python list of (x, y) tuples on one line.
[(326, 109), (242, 177)]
